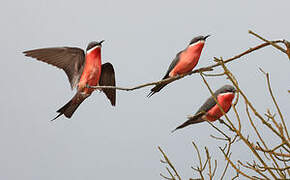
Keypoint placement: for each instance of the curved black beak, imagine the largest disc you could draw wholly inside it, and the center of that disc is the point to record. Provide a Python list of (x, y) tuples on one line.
[(206, 37)]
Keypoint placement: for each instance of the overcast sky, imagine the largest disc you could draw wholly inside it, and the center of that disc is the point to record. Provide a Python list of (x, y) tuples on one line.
[(141, 39)]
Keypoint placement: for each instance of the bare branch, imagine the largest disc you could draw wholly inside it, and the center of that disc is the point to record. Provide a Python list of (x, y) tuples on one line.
[(246, 141), (227, 137), (287, 44), (253, 167), (225, 170), (234, 166), (272, 152), (203, 69), (170, 164), (274, 100), (200, 168), (273, 44)]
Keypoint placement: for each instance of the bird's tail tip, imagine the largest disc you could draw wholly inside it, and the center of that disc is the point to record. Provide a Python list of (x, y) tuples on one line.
[(150, 94), (69, 108), (172, 131), (56, 117), (156, 89)]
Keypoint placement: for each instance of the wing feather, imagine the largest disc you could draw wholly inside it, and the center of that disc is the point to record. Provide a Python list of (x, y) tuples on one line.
[(70, 59), (209, 103), (108, 79), (172, 64)]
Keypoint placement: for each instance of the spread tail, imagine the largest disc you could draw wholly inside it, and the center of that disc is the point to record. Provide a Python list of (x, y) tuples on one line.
[(191, 120), (69, 108)]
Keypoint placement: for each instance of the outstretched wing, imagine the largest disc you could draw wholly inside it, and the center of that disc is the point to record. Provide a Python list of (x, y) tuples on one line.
[(70, 59), (108, 79)]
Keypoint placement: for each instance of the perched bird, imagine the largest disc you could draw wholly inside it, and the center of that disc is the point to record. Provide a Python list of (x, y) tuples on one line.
[(210, 111), (82, 69), (184, 61)]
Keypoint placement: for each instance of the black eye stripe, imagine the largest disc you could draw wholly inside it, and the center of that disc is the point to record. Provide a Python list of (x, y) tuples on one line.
[(92, 44), (196, 39)]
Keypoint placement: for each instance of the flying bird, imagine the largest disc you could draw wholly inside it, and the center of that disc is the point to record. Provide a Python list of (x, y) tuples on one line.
[(82, 69), (184, 61), (210, 111)]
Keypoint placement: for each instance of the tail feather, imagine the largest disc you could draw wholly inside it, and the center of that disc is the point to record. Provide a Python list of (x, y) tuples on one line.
[(156, 89), (191, 120), (69, 108)]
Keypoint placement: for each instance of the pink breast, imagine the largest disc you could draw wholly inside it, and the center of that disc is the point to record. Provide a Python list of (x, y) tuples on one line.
[(225, 100), (92, 71), (188, 59)]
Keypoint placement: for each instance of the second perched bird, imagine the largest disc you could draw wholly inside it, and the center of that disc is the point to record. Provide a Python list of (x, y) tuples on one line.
[(82, 70), (210, 111), (184, 61)]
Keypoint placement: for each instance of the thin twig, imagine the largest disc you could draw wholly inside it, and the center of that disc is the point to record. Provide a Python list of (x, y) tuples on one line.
[(214, 75), (209, 163), (274, 100), (167, 177), (227, 137), (200, 167), (234, 166), (287, 44), (272, 152), (169, 163), (280, 169), (258, 134), (253, 167), (273, 44), (225, 170)]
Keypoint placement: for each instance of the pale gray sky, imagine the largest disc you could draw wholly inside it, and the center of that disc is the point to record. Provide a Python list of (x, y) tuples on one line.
[(142, 38)]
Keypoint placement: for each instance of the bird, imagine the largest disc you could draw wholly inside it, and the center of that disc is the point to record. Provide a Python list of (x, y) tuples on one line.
[(184, 61), (210, 111), (83, 69)]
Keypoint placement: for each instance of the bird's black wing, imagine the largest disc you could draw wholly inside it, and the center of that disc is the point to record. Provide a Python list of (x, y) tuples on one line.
[(197, 117), (209, 103), (70, 59), (108, 79), (173, 64)]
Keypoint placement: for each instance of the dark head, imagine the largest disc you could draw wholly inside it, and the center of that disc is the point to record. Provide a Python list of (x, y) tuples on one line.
[(198, 38), (94, 44), (226, 89)]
